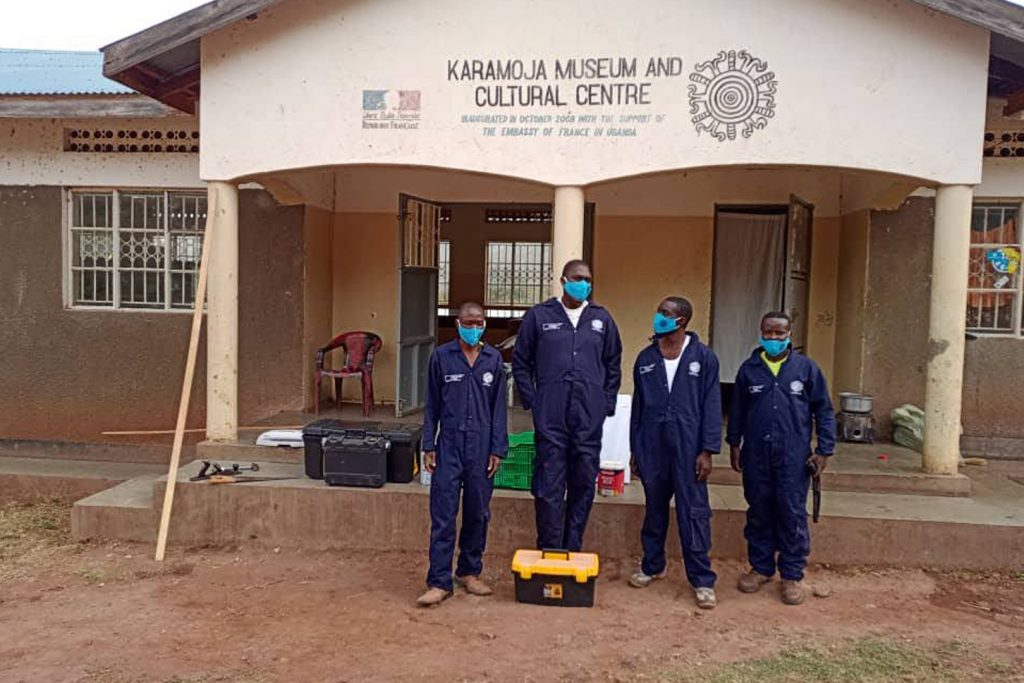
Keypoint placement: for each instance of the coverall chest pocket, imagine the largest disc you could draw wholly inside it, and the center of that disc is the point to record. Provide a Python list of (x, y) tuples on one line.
[(796, 390)]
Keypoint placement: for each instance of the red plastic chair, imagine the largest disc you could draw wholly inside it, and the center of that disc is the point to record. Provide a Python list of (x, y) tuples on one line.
[(360, 348)]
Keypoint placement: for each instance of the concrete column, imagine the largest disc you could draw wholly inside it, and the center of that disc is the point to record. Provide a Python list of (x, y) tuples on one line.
[(946, 328), (222, 315), (567, 233)]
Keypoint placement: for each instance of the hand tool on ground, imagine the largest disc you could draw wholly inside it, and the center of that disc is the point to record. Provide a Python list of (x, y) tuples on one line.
[(213, 473), (815, 489)]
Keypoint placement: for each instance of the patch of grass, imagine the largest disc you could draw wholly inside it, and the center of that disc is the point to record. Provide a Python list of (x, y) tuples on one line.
[(233, 677), (29, 534), (94, 575), (866, 661)]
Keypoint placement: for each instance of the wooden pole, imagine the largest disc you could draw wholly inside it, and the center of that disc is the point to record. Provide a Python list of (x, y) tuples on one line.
[(197, 430), (186, 386)]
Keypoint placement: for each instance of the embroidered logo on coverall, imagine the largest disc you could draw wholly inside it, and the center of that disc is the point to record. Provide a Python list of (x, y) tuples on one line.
[(695, 369), (597, 325), (488, 379), (453, 378), (644, 369), (547, 327), (796, 387), (756, 388)]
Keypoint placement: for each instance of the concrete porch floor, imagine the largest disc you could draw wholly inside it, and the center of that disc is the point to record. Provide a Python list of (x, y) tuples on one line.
[(877, 468), (984, 531)]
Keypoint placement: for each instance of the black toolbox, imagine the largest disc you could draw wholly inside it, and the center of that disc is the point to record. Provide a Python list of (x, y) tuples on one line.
[(402, 456), (314, 434), (356, 458)]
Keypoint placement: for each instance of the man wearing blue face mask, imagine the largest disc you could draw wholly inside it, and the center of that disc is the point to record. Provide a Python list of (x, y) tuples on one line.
[(465, 437), (567, 367), (777, 396), (675, 427)]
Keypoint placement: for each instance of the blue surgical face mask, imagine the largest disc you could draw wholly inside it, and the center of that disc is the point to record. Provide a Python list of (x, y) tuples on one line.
[(774, 347), (577, 289), (470, 335), (664, 324)]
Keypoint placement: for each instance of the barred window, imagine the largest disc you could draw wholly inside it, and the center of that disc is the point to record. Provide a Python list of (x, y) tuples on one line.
[(134, 249), (994, 278), (518, 276)]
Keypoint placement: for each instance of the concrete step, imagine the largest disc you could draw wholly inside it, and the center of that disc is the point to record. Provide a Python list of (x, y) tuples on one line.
[(127, 512), (150, 452), (24, 479), (857, 470), (985, 531)]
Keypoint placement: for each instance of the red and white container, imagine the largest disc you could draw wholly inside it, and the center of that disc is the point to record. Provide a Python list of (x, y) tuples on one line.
[(611, 479)]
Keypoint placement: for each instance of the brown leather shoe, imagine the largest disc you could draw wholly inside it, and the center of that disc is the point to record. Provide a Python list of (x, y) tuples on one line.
[(793, 592), (474, 586), (751, 582), (433, 596)]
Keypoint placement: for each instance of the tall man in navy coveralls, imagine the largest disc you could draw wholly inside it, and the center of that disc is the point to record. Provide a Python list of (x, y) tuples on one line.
[(675, 427), (465, 436), (778, 393), (567, 367)]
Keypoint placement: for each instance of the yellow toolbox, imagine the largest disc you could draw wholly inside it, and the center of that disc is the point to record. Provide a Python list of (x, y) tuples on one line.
[(555, 577)]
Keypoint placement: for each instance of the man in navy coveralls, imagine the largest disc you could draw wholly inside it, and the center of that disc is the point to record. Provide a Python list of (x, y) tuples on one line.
[(465, 436), (778, 395), (567, 367), (675, 427)]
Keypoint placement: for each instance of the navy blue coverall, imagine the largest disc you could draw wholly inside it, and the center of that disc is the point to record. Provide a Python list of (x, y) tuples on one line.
[(771, 419), (465, 422), (569, 377), (667, 431)]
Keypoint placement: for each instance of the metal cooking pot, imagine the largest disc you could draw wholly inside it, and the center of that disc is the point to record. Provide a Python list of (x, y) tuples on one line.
[(855, 403)]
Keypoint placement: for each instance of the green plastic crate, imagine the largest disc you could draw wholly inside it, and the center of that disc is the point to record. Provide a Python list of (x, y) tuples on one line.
[(516, 471)]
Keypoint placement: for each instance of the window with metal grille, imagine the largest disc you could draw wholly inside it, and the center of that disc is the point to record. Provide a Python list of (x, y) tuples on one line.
[(994, 278), (136, 249), (518, 276)]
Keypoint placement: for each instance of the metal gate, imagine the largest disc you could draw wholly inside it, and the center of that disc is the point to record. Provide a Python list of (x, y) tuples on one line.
[(796, 291), (419, 225)]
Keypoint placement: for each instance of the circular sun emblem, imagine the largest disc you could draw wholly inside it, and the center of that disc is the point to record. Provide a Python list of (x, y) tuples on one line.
[(732, 90)]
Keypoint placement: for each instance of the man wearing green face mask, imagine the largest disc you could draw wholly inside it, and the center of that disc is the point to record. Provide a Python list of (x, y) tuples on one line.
[(778, 397)]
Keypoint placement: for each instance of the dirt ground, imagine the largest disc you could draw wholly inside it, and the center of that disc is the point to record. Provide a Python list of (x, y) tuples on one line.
[(106, 613)]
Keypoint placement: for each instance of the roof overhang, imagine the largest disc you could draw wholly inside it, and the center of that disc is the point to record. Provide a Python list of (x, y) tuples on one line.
[(163, 61), (82, 107)]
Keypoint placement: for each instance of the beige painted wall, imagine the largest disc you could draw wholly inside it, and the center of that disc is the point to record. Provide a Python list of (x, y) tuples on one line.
[(317, 294), (32, 153), (821, 330), (859, 83), (365, 290), (640, 260), (851, 295)]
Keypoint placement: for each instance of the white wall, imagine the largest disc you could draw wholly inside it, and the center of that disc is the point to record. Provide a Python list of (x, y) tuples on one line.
[(881, 85), (32, 153)]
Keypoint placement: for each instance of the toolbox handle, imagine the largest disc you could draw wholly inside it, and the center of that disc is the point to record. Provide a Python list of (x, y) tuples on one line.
[(554, 554)]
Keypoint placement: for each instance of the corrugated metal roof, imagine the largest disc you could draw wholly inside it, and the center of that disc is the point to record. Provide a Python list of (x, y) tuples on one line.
[(51, 72)]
